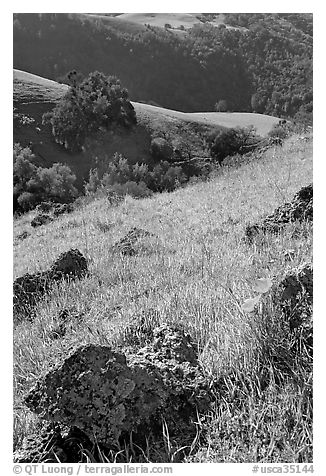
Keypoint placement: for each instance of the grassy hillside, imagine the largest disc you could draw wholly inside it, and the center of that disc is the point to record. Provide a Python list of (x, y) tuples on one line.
[(34, 95), (196, 270), (256, 62)]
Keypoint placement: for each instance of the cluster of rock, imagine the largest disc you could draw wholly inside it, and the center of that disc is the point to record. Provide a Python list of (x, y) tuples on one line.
[(106, 394), (127, 244), (299, 209), (296, 300), (28, 288), (48, 211)]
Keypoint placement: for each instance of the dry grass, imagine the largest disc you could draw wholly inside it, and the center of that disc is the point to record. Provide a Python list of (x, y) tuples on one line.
[(196, 270)]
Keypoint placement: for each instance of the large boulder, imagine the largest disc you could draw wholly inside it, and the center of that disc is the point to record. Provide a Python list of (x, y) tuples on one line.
[(69, 264), (107, 394), (299, 209), (29, 288), (126, 246), (296, 295)]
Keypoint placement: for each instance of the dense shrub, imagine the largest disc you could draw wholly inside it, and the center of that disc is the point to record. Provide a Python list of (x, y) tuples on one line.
[(136, 179), (136, 190), (231, 142), (165, 177), (274, 54), (161, 149), (26, 201), (279, 132), (221, 106), (97, 101), (33, 185)]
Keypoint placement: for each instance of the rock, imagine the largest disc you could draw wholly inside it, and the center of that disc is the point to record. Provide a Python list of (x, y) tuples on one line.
[(69, 264), (107, 394), (47, 211), (27, 291), (41, 446), (29, 288), (299, 209), (44, 207), (173, 343), (296, 296), (126, 246), (41, 219), (50, 443), (60, 208)]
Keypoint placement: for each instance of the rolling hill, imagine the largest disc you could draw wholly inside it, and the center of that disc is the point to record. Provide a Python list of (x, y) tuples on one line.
[(177, 22), (256, 62), (34, 95)]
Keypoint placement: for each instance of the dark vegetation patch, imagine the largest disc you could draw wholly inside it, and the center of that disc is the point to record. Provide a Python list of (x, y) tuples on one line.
[(233, 141), (266, 68), (91, 103), (33, 184)]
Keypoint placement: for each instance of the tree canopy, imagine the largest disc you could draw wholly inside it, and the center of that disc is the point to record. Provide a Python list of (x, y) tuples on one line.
[(98, 101)]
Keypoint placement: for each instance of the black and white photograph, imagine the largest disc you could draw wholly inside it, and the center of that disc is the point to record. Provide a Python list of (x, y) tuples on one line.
[(162, 240)]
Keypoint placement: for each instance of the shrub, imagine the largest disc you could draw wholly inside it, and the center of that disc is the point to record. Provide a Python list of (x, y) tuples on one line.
[(231, 142), (221, 106), (97, 101), (26, 201), (279, 132), (161, 149), (136, 190), (93, 183), (165, 177), (136, 179), (57, 183), (33, 185)]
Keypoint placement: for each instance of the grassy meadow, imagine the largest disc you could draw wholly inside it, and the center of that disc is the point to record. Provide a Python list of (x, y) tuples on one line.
[(196, 270)]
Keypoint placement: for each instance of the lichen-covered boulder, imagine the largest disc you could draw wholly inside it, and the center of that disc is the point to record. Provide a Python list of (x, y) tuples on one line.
[(107, 394), (29, 288), (69, 264), (52, 443), (296, 295), (94, 390), (299, 209), (41, 219), (126, 246)]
